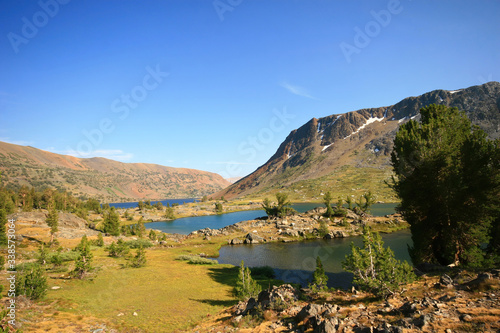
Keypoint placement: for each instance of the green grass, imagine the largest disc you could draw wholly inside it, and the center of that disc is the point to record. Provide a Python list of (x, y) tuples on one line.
[(345, 181), (167, 294)]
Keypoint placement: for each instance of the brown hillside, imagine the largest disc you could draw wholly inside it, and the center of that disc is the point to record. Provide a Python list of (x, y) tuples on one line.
[(105, 179)]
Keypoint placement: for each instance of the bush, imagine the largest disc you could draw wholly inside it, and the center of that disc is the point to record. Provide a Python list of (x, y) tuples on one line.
[(246, 287), (196, 260), (319, 277), (375, 268), (135, 244), (139, 260), (32, 283), (119, 249)]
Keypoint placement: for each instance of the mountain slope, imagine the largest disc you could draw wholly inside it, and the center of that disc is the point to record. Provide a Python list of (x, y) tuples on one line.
[(347, 151), (108, 180)]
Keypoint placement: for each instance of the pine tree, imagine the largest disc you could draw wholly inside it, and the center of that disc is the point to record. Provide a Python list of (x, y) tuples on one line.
[(42, 258), (141, 229), (246, 287), (323, 228), (111, 222), (152, 235), (319, 277), (52, 221), (218, 208), (327, 200), (375, 268), (100, 240), (83, 263), (32, 283), (139, 260), (449, 185)]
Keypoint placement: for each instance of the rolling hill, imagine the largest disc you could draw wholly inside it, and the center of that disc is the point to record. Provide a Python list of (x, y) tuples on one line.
[(101, 178)]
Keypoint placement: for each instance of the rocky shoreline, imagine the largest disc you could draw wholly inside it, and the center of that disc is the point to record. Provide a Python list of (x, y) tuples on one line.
[(465, 303), (300, 226)]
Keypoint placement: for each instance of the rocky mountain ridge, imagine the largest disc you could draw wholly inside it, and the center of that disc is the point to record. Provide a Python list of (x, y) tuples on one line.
[(360, 139), (105, 179)]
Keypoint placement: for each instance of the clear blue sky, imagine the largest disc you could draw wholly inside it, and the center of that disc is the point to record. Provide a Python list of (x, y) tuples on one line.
[(201, 84)]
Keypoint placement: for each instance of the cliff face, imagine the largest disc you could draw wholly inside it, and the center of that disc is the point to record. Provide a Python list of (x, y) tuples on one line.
[(105, 179), (361, 138)]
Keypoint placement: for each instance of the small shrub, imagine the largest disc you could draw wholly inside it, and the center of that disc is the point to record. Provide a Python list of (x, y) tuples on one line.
[(375, 268), (32, 283), (119, 249), (135, 244), (139, 260), (196, 260), (246, 287)]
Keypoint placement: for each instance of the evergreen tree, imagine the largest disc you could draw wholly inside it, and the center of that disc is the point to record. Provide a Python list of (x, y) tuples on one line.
[(152, 235), (323, 228), (169, 213), (280, 209), (340, 211), (246, 287), (111, 222), (83, 263), (365, 202), (42, 258), (349, 202), (52, 221), (218, 208), (449, 185), (100, 240), (319, 277), (32, 283), (139, 260), (3, 228), (119, 249), (327, 199), (375, 268), (141, 229)]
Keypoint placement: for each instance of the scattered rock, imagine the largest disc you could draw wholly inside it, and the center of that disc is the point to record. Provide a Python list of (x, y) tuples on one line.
[(235, 241), (445, 282)]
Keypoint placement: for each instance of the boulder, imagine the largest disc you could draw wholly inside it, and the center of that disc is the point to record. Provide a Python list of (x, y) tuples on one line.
[(252, 238), (309, 311), (445, 281), (235, 241), (277, 298)]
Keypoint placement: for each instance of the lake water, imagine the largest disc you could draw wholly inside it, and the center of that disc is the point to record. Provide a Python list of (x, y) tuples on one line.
[(296, 262), (188, 224)]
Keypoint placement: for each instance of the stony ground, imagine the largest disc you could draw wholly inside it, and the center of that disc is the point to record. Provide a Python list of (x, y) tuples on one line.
[(465, 303)]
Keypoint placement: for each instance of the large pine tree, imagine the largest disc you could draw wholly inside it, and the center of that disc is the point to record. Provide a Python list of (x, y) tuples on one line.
[(447, 180)]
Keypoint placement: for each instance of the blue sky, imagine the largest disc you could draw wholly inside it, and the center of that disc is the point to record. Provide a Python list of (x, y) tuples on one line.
[(218, 85)]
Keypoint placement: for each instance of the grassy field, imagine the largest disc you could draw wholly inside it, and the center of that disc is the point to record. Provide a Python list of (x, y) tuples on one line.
[(167, 295), (345, 181)]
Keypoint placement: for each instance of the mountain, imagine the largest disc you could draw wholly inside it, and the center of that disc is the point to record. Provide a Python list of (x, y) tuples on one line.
[(107, 180), (349, 153)]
